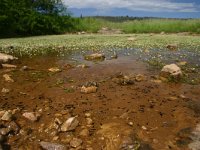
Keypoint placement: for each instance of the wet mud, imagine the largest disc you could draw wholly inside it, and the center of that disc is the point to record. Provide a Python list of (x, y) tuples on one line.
[(146, 114)]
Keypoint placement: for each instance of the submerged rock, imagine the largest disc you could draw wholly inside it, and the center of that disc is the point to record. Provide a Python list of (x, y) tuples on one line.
[(32, 116), (171, 70), (95, 56), (70, 124), (52, 146), (6, 58)]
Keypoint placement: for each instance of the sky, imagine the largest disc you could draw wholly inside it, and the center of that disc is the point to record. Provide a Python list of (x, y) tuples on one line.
[(135, 8)]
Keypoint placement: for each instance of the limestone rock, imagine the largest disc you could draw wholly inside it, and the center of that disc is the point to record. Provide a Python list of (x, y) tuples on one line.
[(87, 90), (9, 66), (8, 78), (172, 70), (70, 124), (7, 116), (32, 116), (6, 58), (52, 146), (55, 69)]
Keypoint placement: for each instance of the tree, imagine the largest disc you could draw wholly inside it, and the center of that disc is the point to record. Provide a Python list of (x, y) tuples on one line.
[(33, 17)]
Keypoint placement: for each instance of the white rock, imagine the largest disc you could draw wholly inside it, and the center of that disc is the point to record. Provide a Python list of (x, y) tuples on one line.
[(4, 90), (70, 124), (32, 116), (6, 58), (7, 116), (8, 78), (172, 70), (52, 146)]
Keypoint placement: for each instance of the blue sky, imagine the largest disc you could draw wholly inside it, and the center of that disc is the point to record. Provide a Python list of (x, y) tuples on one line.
[(135, 8)]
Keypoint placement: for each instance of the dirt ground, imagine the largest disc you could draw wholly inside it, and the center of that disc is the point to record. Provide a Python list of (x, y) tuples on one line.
[(145, 114)]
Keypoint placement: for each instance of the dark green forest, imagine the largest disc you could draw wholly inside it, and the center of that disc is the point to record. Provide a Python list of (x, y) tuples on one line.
[(34, 17)]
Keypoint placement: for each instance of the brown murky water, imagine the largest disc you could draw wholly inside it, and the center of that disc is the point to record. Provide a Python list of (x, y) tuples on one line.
[(144, 115)]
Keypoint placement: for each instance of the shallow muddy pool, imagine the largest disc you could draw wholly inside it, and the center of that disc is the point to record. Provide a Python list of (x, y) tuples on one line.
[(144, 113)]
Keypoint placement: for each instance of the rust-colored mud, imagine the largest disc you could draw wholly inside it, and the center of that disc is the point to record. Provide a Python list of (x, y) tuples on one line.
[(154, 113)]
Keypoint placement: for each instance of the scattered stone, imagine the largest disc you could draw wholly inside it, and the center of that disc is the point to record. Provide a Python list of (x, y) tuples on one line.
[(8, 78), (82, 66), (84, 133), (88, 114), (52, 146), (2, 112), (32, 116), (130, 123), (140, 78), (12, 126), (172, 46), (144, 128), (87, 90), (24, 68), (70, 124), (95, 56), (6, 58), (7, 116), (4, 90), (75, 142), (4, 131), (89, 121), (172, 70), (123, 80), (55, 69), (9, 66)]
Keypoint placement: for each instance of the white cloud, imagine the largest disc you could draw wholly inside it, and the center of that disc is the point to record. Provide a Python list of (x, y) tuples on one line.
[(144, 5)]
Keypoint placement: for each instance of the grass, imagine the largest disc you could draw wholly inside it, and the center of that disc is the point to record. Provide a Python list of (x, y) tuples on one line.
[(93, 25)]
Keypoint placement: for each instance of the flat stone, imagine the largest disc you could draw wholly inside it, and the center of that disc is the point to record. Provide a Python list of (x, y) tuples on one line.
[(55, 69), (9, 66), (52, 146), (6, 58), (32, 116), (7, 116), (95, 56), (70, 124)]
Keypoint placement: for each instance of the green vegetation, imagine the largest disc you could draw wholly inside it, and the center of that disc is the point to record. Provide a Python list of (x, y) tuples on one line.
[(141, 25), (60, 44), (34, 17)]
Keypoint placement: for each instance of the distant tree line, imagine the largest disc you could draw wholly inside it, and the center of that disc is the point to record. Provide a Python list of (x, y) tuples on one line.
[(34, 17)]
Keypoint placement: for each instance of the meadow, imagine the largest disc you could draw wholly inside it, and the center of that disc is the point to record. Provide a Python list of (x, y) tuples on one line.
[(140, 25)]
